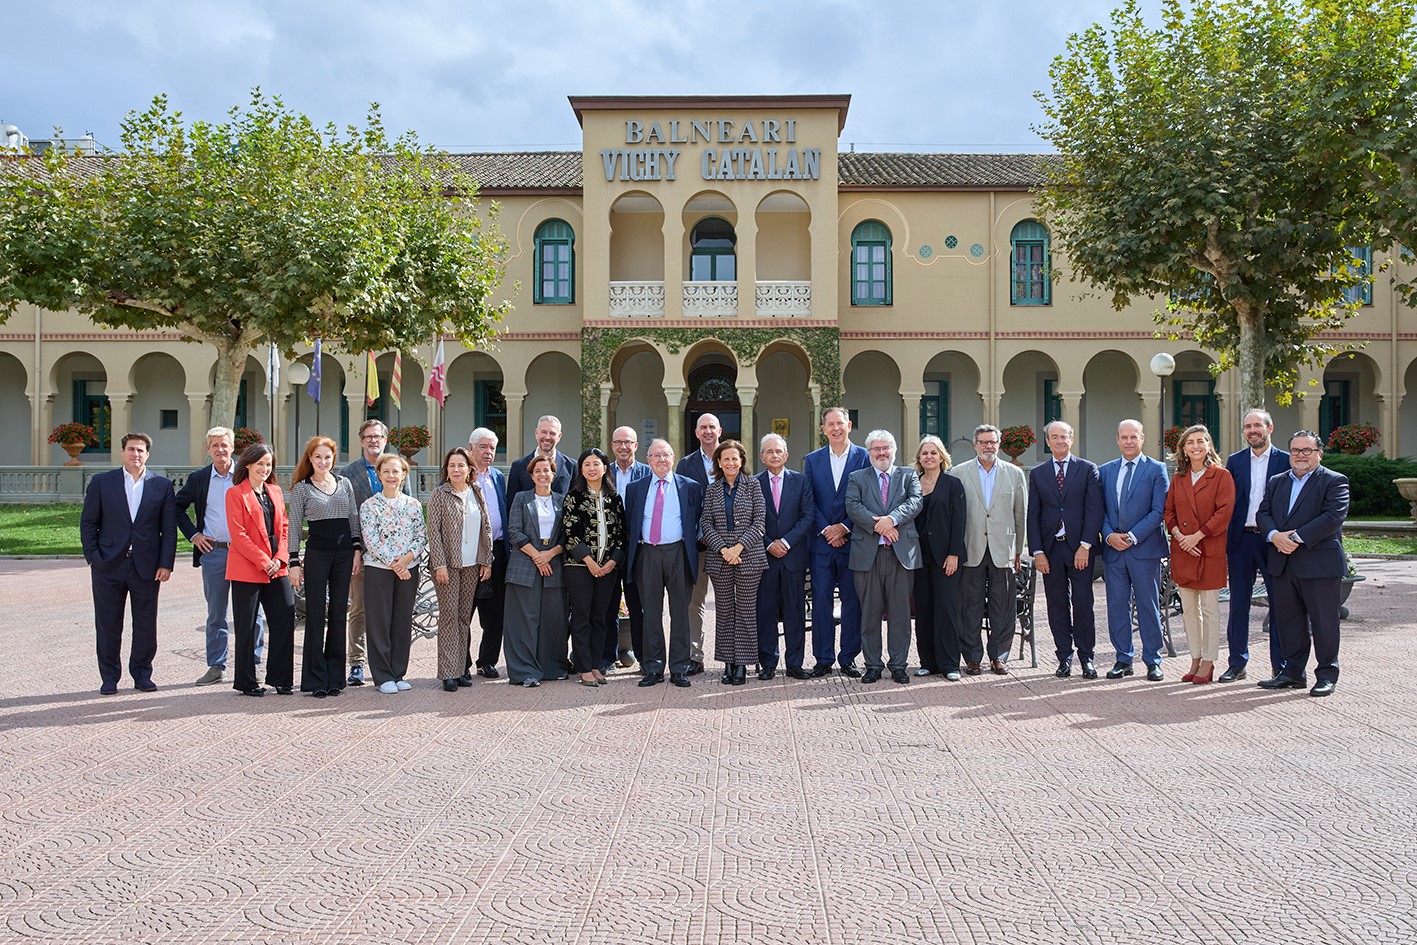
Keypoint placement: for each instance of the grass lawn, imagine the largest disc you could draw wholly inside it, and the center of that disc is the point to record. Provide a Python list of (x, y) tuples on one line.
[(1380, 544), (51, 529)]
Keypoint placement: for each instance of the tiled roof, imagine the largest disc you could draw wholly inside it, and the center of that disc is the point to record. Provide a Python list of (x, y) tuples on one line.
[(868, 169), (519, 170)]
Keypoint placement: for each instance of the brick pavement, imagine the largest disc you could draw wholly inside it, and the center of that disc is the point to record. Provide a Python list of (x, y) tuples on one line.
[(1019, 809)]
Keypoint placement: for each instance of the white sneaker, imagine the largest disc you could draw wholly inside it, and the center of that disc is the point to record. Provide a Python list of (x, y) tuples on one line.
[(402, 686), (389, 686)]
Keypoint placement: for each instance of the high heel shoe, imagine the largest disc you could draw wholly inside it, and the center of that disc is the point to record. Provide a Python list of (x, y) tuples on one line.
[(588, 679), (1191, 676), (1198, 679)]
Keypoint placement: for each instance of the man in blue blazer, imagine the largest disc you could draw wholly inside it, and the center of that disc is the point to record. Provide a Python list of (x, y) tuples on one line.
[(1302, 518), (128, 530), (1064, 519), (662, 512), (624, 444), (490, 603), (548, 437), (1133, 544), (828, 469), (790, 511), (1245, 548)]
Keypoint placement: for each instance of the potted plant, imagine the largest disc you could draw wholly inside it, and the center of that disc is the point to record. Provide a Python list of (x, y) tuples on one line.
[(1173, 438), (1016, 440), (1354, 439), (409, 440), (74, 438), (247, 436)]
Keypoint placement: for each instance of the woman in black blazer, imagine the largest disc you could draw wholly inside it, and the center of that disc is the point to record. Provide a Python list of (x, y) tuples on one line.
[(941, 528)]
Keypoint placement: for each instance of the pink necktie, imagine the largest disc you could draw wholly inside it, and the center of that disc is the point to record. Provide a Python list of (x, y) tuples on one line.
[(776, 493), (656, 518), (885, 506)]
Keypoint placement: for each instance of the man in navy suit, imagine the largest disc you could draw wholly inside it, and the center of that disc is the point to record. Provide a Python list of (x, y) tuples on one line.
[(1301, 518), (548, 435), (698, 466), (624, 444), (662, 511), (829, 468), (1064, 519), (490, 602), (1245, 548), (782, 592), (128, 530), (1133, 544)]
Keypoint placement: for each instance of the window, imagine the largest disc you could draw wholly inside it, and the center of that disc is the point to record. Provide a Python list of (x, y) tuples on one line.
[(1195, 403), (1030, 284), (871, 264), (1052, 402), (935, 410), (490, 410), (167, 420), (555, 263), (1335, 407), (712, 253), (91, 408), (1363, 292)]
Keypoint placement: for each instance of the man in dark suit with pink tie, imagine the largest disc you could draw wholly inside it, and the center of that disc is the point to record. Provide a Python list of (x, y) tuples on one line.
[(790, 510)]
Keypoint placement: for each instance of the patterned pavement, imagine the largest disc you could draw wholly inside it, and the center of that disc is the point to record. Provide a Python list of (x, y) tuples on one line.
[(999, 809)]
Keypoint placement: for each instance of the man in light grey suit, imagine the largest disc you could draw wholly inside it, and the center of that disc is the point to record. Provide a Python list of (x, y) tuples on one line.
[(882, 502), (995, 527)]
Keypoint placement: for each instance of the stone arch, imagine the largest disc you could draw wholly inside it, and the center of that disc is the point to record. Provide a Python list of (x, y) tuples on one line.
[(15, 413), (951, 405), (638, 371), (782, 376), (475, 381), (160, 407), (872, 383), (1031, 395), (553, 384), (1111, 382), (784, 238)]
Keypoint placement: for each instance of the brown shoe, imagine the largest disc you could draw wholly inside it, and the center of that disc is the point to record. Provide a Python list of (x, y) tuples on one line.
[(998, 667), (972, 668)]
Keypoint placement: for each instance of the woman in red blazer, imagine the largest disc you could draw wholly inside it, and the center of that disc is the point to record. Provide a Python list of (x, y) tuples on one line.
[(1197, 515), (257, 567)]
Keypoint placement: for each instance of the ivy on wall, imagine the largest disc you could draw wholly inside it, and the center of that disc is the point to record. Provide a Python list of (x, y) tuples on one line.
[(598, 347)]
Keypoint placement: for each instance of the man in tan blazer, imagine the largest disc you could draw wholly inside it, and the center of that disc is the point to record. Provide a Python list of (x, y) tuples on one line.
[(996, 503)]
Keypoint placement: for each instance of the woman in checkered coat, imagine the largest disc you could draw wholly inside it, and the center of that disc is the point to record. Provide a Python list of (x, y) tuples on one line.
[(732, 529)]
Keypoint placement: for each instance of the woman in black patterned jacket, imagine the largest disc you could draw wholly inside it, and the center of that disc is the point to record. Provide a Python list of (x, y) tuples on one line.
[(596, 537)]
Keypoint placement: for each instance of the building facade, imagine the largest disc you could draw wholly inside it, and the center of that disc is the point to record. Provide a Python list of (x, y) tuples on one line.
[(722, 254)]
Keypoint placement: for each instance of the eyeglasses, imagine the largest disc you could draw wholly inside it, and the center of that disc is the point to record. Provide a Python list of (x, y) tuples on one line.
[(622, 442), (986, 442), (1305, 451), (661, 455), (374, 436)]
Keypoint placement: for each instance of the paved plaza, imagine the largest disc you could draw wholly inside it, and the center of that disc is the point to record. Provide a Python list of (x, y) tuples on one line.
[(998, 809)]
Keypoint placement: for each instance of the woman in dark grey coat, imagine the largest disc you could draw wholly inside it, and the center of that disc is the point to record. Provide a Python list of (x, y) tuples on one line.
[(535, 630)]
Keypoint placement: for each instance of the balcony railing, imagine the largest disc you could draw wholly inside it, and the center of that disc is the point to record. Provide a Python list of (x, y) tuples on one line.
[(710, 299), (784, 299), (637, 299)]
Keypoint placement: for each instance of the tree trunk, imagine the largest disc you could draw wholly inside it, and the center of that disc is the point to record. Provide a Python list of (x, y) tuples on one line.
[(231, 352), (1250, 356)]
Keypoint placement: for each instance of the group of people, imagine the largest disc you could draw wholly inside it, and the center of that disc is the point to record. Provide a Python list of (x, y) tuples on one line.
[(544, 556)]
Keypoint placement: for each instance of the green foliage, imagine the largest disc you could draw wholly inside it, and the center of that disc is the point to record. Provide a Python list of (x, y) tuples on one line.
[(1227, 160), (262, 228), (1370, 487)]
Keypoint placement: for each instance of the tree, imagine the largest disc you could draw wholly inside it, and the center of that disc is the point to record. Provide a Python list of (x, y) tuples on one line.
[(259, 229), (1230, 161)]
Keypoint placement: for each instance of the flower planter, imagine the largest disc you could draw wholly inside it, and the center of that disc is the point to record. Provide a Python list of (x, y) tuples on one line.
[(73, 449)]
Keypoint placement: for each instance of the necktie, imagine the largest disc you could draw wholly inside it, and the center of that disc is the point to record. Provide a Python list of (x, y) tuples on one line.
[(1061, 467), (776, 493), (656, 518), (885, 490), (1126, 491)]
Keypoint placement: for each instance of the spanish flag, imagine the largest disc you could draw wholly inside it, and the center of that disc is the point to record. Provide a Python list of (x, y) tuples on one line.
[(371, 382)]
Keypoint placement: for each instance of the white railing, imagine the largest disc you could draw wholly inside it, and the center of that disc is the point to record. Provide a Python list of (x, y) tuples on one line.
[(637, 299), (712, 299), (783, 299)]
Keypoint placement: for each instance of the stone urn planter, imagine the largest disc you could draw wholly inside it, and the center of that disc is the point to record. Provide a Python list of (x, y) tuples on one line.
[(1407, 488), (74, 449)]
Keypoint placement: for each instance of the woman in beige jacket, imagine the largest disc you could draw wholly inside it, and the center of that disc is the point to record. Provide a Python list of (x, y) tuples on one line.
[(460, 554)]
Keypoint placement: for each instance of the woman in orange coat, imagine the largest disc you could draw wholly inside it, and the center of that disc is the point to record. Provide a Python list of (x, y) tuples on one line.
[(257, 567), (1197, 518)]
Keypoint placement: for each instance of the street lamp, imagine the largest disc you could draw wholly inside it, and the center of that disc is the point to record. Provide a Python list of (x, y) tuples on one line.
[(298, 374), (1163, 366)]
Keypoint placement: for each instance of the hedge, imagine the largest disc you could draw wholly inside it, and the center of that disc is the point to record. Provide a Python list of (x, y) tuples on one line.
[(1370, 487)]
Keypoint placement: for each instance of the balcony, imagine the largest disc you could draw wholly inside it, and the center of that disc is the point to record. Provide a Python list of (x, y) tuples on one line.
[(783, 299), (772, 299), (710, 299), (637, 299)]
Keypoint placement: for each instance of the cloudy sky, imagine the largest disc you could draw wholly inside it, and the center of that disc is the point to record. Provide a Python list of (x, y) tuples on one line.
[(943, 75)]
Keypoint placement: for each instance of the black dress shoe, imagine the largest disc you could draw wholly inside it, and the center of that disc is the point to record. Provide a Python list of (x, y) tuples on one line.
[(680, 679), (870, 676), (820, 670), (1119, 670), (464, 680), (108, 689), (487, 672), (145, 685), (254, 691), (651, 679), (450, 685), (740, 674), (1283, 682), (1065, 669), (797, 672), (1232, 674), (1324, 687), (283, 690), (972, 669), (695, 667), (850, 670), (1089, 669), (1153, 673), (900, 676), (766, 672)]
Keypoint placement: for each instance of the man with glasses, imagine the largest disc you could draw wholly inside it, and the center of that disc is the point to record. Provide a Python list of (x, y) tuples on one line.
[(995, 524), (1301, 517), (624, 444), (1245, 548), (373, 438)]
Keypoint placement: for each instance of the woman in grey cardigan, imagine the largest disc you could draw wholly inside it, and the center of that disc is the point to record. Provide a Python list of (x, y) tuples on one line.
[(460, 554), (535, 631)]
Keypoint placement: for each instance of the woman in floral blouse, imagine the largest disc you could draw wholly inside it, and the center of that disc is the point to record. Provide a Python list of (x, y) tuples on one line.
[(394, 540), (595, 536)]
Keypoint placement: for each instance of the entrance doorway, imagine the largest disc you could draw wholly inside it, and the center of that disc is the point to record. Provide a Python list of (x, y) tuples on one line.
[(712, 390)]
